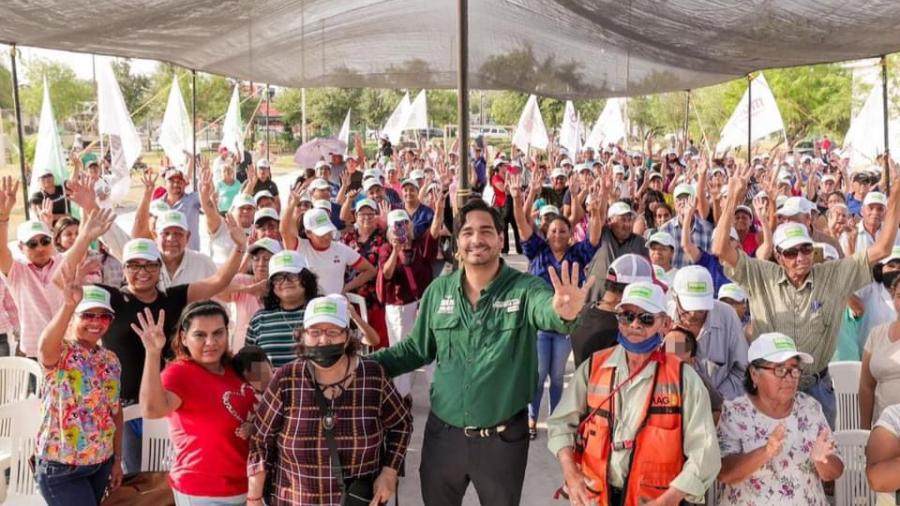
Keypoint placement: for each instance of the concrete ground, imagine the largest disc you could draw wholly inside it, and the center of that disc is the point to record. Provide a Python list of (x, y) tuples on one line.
[(542, 476)]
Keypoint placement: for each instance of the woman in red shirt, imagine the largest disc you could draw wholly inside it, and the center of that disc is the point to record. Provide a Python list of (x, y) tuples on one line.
[(204, 400)]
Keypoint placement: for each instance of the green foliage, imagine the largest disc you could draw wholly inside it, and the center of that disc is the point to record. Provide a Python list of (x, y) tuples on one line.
[(68, 93), (135, 89), (6, 99), (213, 92)]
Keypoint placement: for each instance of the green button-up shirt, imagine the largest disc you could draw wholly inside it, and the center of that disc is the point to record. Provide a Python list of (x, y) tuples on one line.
[(486, 356)]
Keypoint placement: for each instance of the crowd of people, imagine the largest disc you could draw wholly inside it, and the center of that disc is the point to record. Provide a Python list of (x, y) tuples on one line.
[(702, 299)]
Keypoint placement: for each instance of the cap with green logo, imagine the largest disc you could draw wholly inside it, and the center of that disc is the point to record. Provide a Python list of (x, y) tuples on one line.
[(140, 249), (788, 235), (266, 243), (286, 261), (171, 218), (329, 309), (93, 297), (317, 222), (732, 291), (645, 295), (693, 287), (29, 229), (776, 348)]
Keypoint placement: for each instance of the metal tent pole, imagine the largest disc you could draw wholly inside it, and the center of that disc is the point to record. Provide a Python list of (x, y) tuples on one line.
[(268, 113), (194, 122), (462, 99), (687, 116), (749, 118), (19, 131), (884, 105)]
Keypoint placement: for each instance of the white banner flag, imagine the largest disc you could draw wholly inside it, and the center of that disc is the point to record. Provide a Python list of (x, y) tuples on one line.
[(115, 121), (395, 124), (568, 134), (865, 138), (233, 127), (175, 134), (344, 134), (417, 118), (765, 117), (610, 125), (49, 155), (530, 130)]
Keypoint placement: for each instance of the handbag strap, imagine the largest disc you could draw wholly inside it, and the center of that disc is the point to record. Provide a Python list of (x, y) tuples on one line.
[(336, 467)]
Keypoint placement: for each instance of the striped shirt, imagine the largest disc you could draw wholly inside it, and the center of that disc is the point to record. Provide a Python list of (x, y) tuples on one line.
[(372, 430), (273, 331)]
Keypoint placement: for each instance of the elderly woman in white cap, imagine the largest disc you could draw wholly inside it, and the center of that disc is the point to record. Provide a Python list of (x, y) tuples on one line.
[(79, 444), (331, 406), (775, 441)]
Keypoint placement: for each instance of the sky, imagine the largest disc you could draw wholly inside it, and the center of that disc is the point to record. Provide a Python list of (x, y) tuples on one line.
[(79, 62)]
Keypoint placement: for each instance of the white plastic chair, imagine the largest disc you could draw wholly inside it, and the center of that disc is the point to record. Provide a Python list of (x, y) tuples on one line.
[(14, 375), (130, 413), (156, 447), (852, 488), (25, 421), (845, 376)]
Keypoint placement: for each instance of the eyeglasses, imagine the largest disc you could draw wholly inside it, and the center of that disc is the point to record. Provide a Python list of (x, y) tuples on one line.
[(105, 318), (331, 335), (806, 249), (284, 277), (781, 371), (136, 268), (626, 318), (34, 243)]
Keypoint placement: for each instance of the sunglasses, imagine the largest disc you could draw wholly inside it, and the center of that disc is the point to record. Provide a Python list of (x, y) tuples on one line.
[(627, 317), (806, 249), (34, 243), (105, 318)]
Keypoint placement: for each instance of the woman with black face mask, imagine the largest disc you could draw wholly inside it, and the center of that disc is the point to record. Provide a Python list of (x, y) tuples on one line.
[(331, 428)]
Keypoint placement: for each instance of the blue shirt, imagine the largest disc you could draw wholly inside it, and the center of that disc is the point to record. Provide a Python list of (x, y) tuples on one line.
[(853, 205), (336, 216), (712, 264), (189, 204), (480, 169), (701, 236), (421, 219), (541, 258)]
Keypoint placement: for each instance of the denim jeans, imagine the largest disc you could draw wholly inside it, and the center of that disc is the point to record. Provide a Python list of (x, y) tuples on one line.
[(66, 485), (823, 391), (132, 431), (553, 352), (195, 500)]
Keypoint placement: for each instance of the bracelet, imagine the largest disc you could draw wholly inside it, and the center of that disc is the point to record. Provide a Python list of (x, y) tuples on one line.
[(254, 499)]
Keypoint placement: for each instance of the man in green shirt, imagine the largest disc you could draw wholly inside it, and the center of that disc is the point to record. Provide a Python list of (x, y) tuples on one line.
[(480, 324)]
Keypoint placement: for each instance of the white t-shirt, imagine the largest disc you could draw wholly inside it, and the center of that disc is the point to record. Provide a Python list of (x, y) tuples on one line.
[(195, 266), (221, 245), (890, 421), (329, 265)]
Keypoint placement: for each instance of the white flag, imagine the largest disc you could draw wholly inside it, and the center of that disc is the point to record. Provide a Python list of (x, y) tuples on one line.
[(530, 130), (865, 138), (48, 152), (176, 135), (417, 117), (233, 127), (568, 133), (395, 124), (115, 121), (344, 134), (765, 117), (610, 126)]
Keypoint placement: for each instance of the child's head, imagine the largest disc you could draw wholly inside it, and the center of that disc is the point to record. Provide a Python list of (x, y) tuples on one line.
[(254, 366)]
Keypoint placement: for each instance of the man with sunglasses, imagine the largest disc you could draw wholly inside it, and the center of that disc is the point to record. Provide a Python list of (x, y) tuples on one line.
[(635, 424), (797, 297)]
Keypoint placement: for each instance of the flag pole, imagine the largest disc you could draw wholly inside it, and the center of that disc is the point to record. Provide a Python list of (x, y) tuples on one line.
[(884, 105), (194, 123), (268, 113), (462, 99), (749, 118), (687, 116), (20, 133)]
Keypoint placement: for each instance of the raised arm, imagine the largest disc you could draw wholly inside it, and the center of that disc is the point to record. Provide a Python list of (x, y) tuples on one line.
[(721, 246), (211, 286), (437, 222), (288, 225), (687, 224), (764, 208), (595, 226), (210, 211), (50, 343), (885, 240), (141, 226), (8, 191), (523, 221), (155, 401), (702, 198), (95, 224)]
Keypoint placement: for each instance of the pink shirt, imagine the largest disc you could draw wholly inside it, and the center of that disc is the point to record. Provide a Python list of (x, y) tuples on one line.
[(32, 288), (246, 305)]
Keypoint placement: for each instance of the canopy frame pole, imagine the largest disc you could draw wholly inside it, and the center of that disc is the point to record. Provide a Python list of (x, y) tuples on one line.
[(884, 105), (194, 124), (687, 117), (268, 113), (20, 133), (462, 100), (303, 115), (749, 119)]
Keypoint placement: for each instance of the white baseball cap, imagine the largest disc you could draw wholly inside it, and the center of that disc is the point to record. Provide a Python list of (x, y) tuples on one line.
[(329, 309), (794, 206), (683, 189), (369, 183), (693, 286), (828, 177), (630, 268), (172, 172), (775, 347), (265, 213), (396, 216), (262, 194), (618, 169), (266, 243), (286, 261), (875, 198), (93, 297), (654, 175), (788, 235), (30, 229), (322, 163), (417, 174), (320, 184), (410, 181), (619, 209), (322, 204), (549, 209), (663, 238), (558, 172), (171, 218), (263, 164), (365, 203), (498, 162), (140, 249), (376, 173), (645, 295), (732, 291), (316, 221), (243, 200), (745, 209)]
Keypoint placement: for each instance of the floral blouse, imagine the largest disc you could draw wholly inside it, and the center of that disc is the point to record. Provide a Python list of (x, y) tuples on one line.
[(369, 251), (789, 478), (79, 398)]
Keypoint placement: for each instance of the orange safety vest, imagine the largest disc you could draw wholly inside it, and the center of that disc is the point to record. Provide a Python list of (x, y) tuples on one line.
[(657, 450)]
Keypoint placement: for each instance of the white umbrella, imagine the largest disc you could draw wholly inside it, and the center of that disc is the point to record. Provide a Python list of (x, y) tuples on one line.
[(316, 149)]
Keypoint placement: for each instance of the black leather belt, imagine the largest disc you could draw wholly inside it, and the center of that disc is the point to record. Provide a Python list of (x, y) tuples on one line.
[(484, 432)]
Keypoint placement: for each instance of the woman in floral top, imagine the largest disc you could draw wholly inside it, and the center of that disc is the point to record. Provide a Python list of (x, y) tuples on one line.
[(366, 237), (79, 445), (775, 441)]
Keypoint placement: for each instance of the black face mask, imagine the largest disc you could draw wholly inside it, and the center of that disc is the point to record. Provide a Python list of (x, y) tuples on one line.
[(887, 278), (324, 356)]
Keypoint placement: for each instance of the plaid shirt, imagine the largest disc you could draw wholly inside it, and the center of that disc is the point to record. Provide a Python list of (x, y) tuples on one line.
[(701, 236), (372, 430)]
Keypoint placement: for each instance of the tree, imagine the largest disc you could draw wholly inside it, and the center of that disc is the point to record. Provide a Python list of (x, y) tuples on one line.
[(135, 89), (6, 99), (68, 93)]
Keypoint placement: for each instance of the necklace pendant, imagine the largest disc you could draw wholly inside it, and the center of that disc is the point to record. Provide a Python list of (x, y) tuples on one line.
[(328, 421)]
